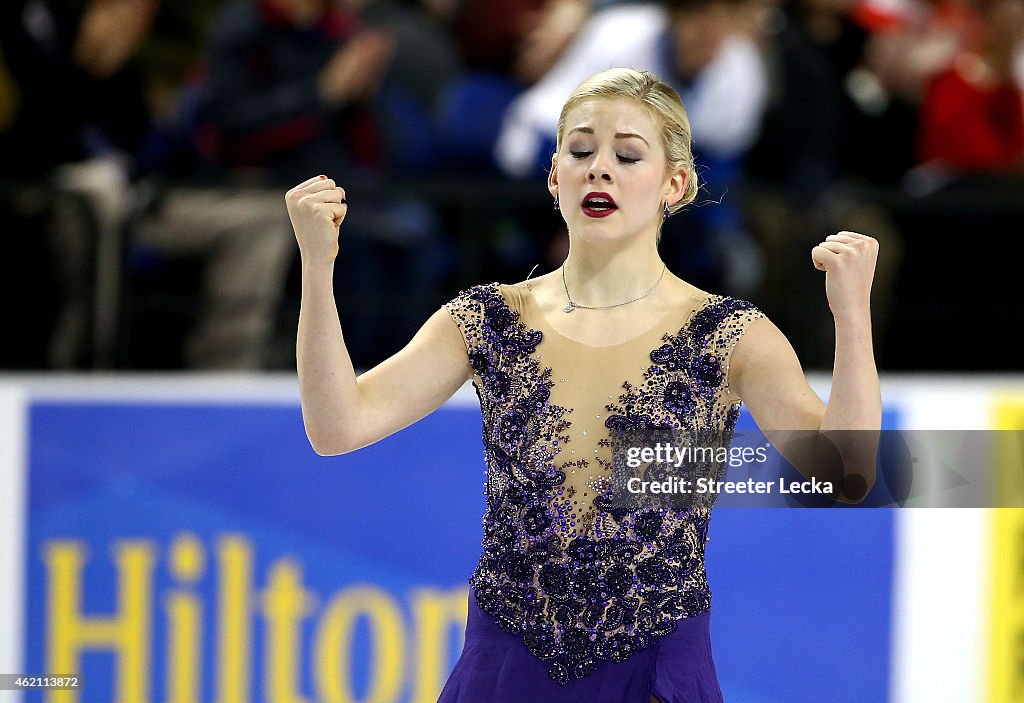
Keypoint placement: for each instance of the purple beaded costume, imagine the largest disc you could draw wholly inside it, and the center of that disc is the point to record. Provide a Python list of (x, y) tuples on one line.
[(573, 599)]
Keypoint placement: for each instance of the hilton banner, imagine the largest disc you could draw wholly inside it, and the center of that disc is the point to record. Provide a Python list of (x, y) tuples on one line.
[(184, 544)]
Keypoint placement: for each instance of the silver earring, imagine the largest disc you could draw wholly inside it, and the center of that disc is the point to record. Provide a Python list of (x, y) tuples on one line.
[(665, 213), (556, 203)]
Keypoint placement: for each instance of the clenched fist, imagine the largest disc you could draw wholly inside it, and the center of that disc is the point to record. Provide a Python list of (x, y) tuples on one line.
[(317, 208), (848, 260)]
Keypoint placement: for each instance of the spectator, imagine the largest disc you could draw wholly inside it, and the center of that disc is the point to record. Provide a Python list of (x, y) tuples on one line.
[(82, 124), (79, 95), (506, 45), (294, 88), (972, 118), (887, 53), (80, 112), (800, 192), (717, 69), (700, 48)]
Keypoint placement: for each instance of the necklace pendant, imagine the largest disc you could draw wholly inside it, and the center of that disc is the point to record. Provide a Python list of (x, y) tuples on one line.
[(569, 307)]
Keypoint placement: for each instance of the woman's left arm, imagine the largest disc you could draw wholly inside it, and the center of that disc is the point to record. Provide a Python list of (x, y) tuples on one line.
[(767, 375)]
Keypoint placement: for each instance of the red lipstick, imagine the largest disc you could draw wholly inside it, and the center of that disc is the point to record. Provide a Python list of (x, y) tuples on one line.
[(598, 204)]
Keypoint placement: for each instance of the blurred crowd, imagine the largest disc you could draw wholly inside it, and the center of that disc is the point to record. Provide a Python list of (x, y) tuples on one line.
[(137, 134)]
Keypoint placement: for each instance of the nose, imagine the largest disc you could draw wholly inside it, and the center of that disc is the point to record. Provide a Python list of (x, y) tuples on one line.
[(598, 170)]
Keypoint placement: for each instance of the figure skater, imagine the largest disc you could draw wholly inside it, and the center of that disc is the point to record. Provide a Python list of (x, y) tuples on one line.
[(572, 599)]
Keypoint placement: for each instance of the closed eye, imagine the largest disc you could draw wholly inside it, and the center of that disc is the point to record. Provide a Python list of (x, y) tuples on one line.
[(620, 157)]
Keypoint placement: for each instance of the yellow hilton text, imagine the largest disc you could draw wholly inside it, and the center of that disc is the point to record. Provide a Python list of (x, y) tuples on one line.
[(400, 652)]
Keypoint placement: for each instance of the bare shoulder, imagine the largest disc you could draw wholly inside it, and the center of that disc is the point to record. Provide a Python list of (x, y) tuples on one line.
[(762, 343), (761, 352), (441, 335), (436, 355), (766, 373)]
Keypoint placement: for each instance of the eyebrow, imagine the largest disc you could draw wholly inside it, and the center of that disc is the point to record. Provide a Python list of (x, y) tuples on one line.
[(618, 135)]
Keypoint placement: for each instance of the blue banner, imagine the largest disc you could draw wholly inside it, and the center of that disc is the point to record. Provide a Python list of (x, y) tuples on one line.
[(203, 552)]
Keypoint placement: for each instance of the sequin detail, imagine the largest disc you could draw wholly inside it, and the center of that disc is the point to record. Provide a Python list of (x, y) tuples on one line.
[(582, 583)]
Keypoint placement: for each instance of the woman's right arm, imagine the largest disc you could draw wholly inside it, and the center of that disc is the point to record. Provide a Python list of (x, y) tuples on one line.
[(342, 412)]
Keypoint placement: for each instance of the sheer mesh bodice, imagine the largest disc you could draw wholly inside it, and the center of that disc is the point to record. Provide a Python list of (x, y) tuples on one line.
[(578, 578)]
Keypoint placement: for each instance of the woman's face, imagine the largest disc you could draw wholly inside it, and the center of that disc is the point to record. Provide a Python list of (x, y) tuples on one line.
[(610, 173)]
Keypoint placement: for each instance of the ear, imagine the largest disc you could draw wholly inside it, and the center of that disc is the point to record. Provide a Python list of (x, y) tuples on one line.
[(553, 176), (676, 187)]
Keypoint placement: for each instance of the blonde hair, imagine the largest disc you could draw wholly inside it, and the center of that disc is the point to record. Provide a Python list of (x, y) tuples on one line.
[(661, 100)]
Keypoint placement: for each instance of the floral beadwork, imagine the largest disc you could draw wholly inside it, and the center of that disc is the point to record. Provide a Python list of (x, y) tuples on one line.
[(578, 590)]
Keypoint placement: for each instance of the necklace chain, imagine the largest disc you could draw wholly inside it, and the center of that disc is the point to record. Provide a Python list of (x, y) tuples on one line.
[(570, 306)]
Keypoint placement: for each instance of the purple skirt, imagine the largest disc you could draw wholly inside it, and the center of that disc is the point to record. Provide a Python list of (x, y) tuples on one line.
[(496, 667)]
